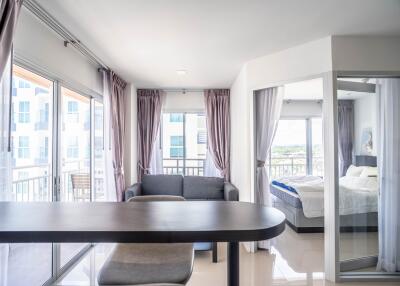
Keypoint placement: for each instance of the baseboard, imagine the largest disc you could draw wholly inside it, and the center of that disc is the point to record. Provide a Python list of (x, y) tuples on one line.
[(344, 229)]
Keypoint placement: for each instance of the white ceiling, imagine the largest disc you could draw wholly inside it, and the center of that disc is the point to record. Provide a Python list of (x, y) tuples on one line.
[(146, 41)]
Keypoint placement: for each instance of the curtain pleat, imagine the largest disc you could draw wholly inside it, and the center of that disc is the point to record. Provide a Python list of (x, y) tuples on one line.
[(117, 105), (218, 128), (268, 109), (346, 131), (9, 11), (149, 118), (388, 102)]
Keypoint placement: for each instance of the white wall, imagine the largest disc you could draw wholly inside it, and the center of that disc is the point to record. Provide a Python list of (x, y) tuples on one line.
[(294, 64), (351, 53), (240, 136), (302, 62), (178, 101), (301, 108), (365, 116), (130, 163), (37, 44)]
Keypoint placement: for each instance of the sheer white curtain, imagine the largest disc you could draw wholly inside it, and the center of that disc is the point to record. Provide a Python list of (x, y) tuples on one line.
[(156, 162), (109, 180), (210, 170), (5, 159), (388, 102), (268, 110)]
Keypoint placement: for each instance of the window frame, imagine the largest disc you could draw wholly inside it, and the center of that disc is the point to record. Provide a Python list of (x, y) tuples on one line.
[(184, 113), (309, 144)]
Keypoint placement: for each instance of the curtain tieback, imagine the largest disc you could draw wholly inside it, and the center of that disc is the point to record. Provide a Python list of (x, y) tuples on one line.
[(260, 164), (145, 170), (118, 171)]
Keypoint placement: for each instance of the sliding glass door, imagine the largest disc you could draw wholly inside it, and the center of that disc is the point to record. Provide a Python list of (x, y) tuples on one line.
[(56, 154), (368, 191), (74, 158), (32, 171)]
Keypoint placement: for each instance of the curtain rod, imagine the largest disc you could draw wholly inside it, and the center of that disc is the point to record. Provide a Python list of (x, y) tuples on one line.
[(182, 90), (57, 27)]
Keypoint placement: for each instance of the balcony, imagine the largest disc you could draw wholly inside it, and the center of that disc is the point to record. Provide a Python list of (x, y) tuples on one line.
[(188, 167), (38, 186), (294, 166)]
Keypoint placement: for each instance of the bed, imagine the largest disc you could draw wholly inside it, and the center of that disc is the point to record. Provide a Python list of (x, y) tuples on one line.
[(301, 198)]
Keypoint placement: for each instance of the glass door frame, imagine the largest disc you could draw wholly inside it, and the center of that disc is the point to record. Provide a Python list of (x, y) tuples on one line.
[(58, 82), (59, 269), (334, 213)]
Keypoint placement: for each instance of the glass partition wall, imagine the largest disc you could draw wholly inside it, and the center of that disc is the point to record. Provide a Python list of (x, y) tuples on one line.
[(56, 150), (369, 171)]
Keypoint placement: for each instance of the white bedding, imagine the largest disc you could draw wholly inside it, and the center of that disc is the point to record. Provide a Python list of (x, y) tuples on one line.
[(356, 194)]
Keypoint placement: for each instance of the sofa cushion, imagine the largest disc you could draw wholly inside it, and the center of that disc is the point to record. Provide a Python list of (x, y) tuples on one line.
[(203, 188), (162, 185)]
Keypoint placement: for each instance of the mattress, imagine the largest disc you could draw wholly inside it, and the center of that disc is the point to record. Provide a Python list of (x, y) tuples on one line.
[(357, 194), (288, 197)]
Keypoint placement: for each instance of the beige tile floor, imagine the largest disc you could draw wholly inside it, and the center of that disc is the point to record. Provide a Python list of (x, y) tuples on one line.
[(294, 260)]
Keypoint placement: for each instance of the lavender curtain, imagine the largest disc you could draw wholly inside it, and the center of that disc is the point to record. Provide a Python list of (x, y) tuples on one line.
[(346, 131), (117, 105), (268, 110), (218, 128), (149, 118), (9, 11)]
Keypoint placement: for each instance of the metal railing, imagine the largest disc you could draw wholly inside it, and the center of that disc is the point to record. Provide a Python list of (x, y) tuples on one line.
[(294, 166), (37, 186), (188, 167)]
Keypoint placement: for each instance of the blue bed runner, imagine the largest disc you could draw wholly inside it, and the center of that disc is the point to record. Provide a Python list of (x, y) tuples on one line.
[(284, 186)]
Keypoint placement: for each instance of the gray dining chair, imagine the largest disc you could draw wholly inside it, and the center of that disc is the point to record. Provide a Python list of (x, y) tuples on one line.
[(158, 264)]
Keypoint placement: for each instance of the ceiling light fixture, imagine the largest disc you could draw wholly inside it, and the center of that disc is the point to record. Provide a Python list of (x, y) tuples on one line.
[(181, 72)]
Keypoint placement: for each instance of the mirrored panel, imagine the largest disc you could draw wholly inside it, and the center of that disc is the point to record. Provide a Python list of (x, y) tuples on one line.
[(369, 185)]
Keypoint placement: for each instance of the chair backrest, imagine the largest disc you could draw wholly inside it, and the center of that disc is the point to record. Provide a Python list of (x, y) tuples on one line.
[(171, 185), (155, 198), (80, 181)]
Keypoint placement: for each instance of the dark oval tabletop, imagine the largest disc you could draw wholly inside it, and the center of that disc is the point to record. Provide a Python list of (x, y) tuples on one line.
[(186, 221)]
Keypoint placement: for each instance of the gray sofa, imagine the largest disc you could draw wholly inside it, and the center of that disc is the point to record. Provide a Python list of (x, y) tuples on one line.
[(189, 187)]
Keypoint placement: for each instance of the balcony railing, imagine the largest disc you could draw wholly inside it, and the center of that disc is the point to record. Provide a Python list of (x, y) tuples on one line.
[(39, 187), (188, 167), (294, 166)]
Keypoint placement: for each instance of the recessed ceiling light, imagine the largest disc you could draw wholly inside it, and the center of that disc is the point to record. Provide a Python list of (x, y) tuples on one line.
[(181, 72)]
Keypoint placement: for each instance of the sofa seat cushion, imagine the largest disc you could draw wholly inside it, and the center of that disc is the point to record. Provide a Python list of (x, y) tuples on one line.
[(171, 185), (203, 188), (147, 263)]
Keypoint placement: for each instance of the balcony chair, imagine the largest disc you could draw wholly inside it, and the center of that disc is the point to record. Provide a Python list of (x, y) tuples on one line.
[(189, 187), (80, 187), (149, 263)]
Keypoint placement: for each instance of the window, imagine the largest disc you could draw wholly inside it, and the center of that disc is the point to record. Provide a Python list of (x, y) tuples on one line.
[(44, 149), (73, 147), (23, 115), (202, 137), (177, 141), (176, 152), (175, 117), (297, 148), (72, 111), (183, 139), (23, 84), (23, 147)]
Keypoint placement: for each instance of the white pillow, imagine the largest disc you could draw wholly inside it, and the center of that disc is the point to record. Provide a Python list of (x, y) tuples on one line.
[(369, 172), (354, 171)]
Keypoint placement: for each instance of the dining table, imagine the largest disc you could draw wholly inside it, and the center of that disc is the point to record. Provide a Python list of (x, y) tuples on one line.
[(142, 222)]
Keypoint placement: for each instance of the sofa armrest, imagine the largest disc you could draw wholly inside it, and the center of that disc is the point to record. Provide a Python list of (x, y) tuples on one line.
[(133, 191), (231, 193)]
